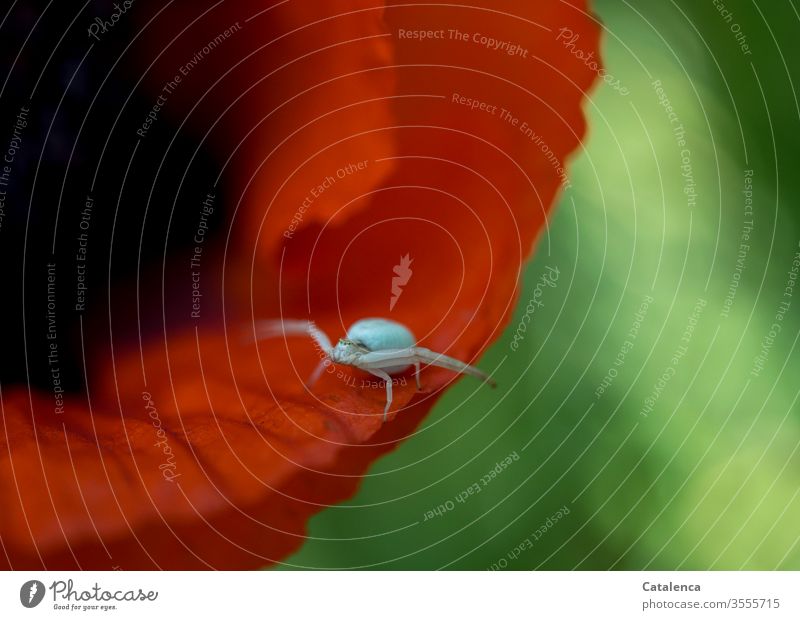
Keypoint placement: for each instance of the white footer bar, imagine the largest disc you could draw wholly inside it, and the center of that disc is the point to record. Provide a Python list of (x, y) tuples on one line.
[(388, 595)]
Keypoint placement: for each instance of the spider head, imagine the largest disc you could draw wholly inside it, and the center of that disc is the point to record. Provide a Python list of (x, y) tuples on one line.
[(347, 351)]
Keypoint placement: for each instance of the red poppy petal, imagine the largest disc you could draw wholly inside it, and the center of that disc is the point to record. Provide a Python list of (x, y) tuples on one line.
[(471, 187), (291, 93), (463, 192), (225, 485)]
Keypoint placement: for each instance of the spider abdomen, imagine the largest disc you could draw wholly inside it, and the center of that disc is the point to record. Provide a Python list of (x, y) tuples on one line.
[(378, 334)]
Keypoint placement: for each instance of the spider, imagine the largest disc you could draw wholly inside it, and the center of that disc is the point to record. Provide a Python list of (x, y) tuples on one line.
[(381, 347)]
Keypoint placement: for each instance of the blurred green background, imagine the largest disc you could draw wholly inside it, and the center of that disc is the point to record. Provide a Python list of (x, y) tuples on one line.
[(710, 477)]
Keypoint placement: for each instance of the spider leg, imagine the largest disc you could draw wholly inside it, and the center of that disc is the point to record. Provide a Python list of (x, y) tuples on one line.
[(388, 380), (293, 327), (416, 375), (451, 363), (387, 358), (312, 379)]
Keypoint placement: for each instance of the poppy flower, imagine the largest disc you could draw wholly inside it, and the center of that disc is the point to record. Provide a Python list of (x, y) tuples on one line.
[(378, 159)]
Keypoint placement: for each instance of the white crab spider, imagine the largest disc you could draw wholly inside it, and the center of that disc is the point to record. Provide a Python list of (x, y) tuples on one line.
[(380, 347)]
